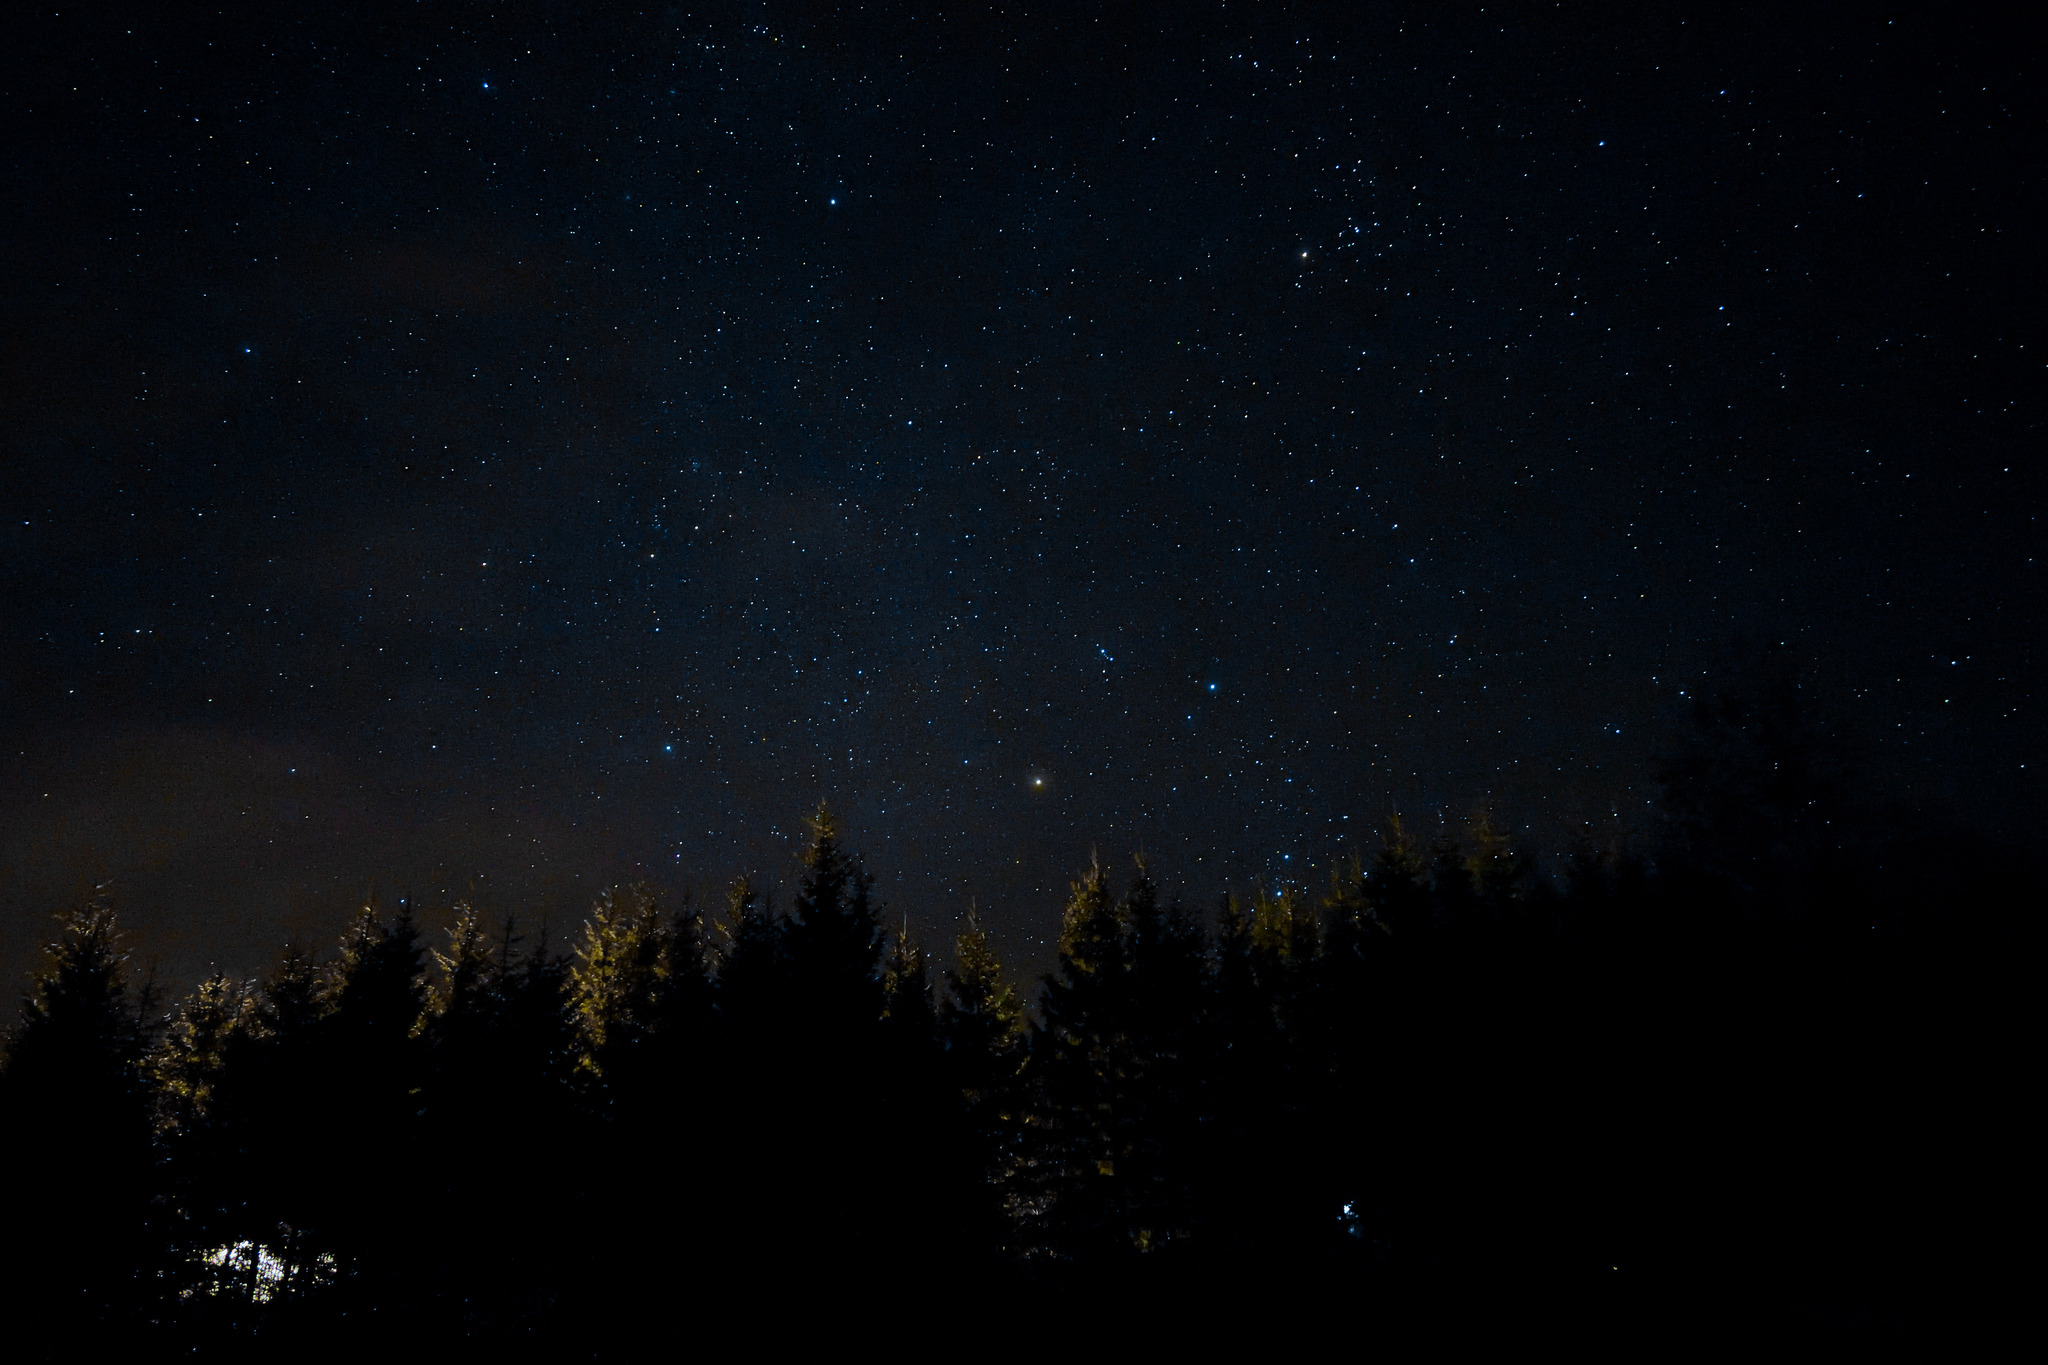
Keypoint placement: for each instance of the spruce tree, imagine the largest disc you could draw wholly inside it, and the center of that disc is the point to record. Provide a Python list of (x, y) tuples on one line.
[(367, 1064), (249, 1200), (907, 1008), (619, 986), (1079, 1055), (834, 944), (983, 1028), (190, 1059), (75, 1121), (981, 1019), (826, 1089), (750, 963)]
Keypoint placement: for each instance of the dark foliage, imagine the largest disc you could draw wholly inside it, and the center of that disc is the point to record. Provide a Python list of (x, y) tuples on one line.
[(1767, 1074)]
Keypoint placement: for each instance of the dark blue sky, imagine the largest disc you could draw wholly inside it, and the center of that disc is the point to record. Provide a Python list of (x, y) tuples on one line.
[(509, 448)]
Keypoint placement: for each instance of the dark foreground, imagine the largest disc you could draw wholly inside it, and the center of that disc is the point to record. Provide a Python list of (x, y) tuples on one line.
[(1760, 1089)]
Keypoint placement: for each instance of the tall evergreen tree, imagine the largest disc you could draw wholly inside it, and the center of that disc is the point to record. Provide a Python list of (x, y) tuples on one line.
[(191, 1057), (834, 942), (983, 1030), (75, 1120), (248, 1201), (619, 987), (981, 1018), (1115, 1070), (750, 964), (907, 1007), (366, 1063), (825, 1087)]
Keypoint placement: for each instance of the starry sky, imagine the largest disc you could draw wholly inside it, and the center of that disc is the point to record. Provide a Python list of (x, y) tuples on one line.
[(502, 450)]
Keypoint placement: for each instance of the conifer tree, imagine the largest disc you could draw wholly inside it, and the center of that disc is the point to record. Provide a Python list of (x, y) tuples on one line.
[(983, 1030), (750, 962), (470, 973), (290, 1001), (1499, 870), (981, 1018), (907, 995), (924, 1153), (1264, 1181), (1079, 1056), (618, 989), (499, 1088), (243, 1175), (1164, 1082), (1116, 1067), (189, 1060), (834, 944), (360, 1087), (75, 1134), (376, 992)]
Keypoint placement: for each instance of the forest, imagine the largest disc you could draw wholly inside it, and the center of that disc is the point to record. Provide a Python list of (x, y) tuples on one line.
[(1758, 1073)]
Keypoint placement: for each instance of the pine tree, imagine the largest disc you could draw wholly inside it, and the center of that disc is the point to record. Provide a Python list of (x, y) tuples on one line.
[(907, 1006), (360, 1088), (1499, 870), (75, 1121), (290, 1002), (813, 1081), (1269, 1195), (981, 1018), (468, 987), (1073, 1070), (249, 1206), (1395, 890), (834, 944), (376, 993), (1164, 1082), (618, 989), (188, 1062), (923, 1154), (498, 1089), (983, 1030), (1114, 1075), (750, 964)]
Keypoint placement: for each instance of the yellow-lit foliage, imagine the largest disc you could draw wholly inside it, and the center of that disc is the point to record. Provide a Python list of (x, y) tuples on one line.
[(465, 966), (1090, 917), (625, 961), (1284, 926), (188, 1063), (979, 987), (904, 976)]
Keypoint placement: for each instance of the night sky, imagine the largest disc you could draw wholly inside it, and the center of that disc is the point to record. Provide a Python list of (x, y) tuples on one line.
[(502, 450)]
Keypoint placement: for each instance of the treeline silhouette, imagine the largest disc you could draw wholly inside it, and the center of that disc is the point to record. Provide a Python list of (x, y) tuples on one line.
[(1761, 1074)]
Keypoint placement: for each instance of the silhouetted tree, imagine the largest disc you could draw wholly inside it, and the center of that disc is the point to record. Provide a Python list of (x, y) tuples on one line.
[(1448, 1081), (984, 1028), (191, 1057), (75, 1120), (834, 944), (1115, 1070), (619, 988)]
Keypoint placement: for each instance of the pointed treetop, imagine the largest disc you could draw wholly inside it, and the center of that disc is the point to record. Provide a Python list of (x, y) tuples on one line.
[(978, 987), (906, 984), (824, 828), (1091, 920)]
